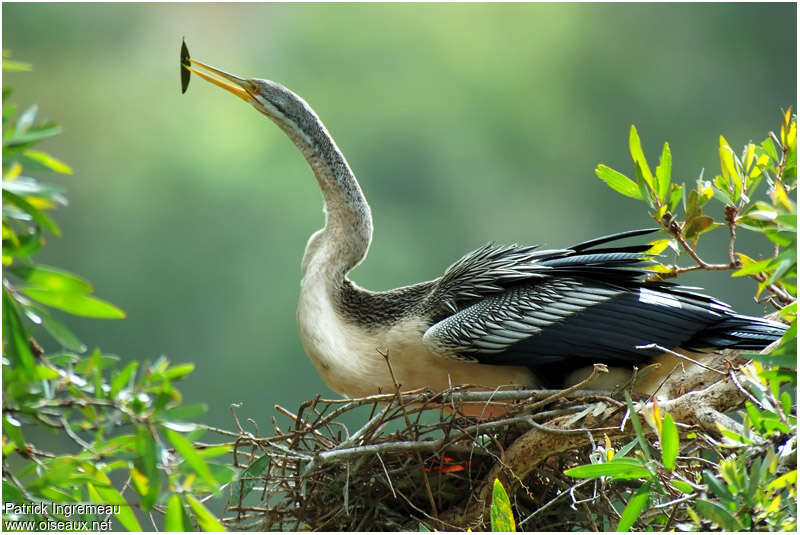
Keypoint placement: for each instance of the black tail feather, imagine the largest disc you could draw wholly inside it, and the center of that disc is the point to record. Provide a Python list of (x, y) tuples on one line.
[(738, 332)]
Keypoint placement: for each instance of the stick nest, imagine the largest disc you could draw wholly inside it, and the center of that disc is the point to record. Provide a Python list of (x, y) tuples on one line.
[(419, 461)]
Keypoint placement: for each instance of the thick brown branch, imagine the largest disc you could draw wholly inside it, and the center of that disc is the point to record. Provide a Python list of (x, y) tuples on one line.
[(699, 408)]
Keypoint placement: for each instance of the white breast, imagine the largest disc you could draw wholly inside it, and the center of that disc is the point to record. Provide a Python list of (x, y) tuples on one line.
[(353, 359)]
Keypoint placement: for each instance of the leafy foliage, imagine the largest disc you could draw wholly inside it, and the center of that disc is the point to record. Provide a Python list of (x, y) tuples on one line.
[(746, 481), (115, 423)]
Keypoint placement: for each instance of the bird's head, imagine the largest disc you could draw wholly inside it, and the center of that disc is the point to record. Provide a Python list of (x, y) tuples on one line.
[(270, 98)]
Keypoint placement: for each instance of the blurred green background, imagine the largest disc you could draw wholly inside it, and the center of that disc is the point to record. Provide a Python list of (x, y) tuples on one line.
[(464, 124)]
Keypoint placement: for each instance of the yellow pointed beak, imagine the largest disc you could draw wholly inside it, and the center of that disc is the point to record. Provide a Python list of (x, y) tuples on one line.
[(229, 82)]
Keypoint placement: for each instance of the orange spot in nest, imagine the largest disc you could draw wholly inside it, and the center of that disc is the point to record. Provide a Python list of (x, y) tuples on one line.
[(448, 465)]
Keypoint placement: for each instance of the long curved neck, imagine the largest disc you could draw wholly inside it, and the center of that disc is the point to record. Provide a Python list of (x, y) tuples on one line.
[(345, 239)]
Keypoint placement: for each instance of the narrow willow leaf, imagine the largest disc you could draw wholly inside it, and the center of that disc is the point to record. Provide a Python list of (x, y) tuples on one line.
[(189, 454), (681, 486), (750, 267), (31, 136), (48, 161), (669, 442), (769, 148), (619, 468), (718, 514), (658, 246), (716, 486), (618, 182), (77, 304), (698, 225), (502, 518), (146, 461), (15, 337), (122, 378), (26, 118), (110, 496), (174, 517), (51, 278), (664, 173), (635, 145), (634, 508), (12, 428), (206, 520), (786, 480), (15, 66), (179, 371), (729, 171), (675, 196), (28, 208), (637, 426)]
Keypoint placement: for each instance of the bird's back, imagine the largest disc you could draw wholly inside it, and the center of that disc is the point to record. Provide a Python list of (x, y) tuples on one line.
[(556, 311)]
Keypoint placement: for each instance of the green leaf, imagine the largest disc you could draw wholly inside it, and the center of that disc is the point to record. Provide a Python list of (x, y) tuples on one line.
[(189, 454), (25, 185), (788, 220), (669, 442), (716, 487), (31, 210), (26, 118), (146, 463), (121, 379), (75, 303), (788, 479), (110, 496), (15, 336), (48, 161), (675, 196), (214, 451), (698, 225), (11, 493), (637, 154), (634, 508), (176, 372), (31, 136), (174, 517), (618, 468), (206, 520), (722, 190), (784, 238), (250, 477), (637, 426), (729, 168), (51, 278), (502, 518), (56, 329), (664, 172), (718, 514), (15, 66), (618, 182), (645, 189), (750, 268), (681, 486), (13, 430), (769, 148)]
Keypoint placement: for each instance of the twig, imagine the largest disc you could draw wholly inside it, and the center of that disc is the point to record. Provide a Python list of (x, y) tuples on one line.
[(554, 500), (681, 356), (597, 370)]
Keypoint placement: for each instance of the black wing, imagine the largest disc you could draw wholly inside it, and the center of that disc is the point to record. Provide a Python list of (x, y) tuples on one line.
[(588, 304)]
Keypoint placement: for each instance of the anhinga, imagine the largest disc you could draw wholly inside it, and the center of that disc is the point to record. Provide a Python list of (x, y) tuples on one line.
[(501, 315)]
